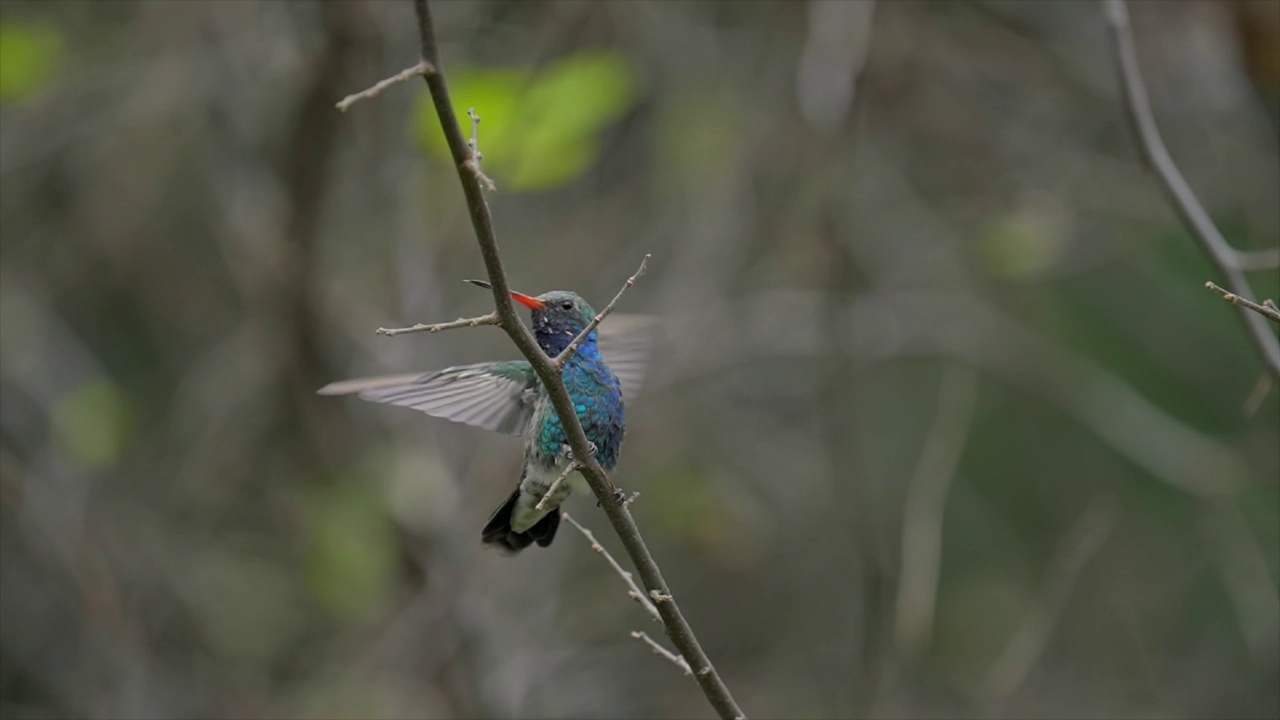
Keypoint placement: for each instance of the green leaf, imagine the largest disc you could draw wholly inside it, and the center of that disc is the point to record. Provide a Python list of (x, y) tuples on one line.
[(93, 423), (537, 132), (29, 57)]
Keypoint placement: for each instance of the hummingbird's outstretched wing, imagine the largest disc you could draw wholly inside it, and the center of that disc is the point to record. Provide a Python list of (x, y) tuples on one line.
[(495, 396), (624, 342)]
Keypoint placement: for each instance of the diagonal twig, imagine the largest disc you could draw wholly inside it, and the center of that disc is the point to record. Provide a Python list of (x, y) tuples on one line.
[(1175, 187), (634, 593), (1267, 309), (659, 650), (490, 319), (572, 347), (345, 103), (568, 470)]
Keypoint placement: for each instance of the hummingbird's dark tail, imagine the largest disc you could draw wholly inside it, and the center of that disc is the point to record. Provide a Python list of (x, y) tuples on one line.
[(498, 530)]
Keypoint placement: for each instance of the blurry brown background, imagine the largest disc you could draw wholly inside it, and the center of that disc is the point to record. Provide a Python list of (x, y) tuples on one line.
[(942, 422)]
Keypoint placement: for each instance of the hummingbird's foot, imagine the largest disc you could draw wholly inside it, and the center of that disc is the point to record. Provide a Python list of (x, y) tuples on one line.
[(568, 451), (619, 496)]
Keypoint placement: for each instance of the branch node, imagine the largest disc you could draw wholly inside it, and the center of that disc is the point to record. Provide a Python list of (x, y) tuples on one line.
[(473, 163), (659, 597)]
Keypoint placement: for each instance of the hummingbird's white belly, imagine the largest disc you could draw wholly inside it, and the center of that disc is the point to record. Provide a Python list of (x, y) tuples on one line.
[(537, 480)]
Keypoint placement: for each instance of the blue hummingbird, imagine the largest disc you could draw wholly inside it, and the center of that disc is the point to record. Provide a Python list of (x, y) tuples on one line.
[(508, 397)]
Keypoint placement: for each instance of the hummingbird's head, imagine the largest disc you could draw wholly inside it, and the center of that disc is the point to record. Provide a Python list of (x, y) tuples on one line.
[(558, 317)]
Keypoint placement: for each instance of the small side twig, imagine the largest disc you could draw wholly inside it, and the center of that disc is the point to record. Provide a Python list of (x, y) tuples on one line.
[(659, 650), (422, 68), (572, 347), (568, 469), (635, 592), (476, 155), (489, 319), (1267, 309)]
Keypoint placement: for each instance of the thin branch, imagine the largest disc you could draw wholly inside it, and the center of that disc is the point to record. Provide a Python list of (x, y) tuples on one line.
[(1267, 309), (572, 348), (634, 593), (1223, 256), (490, 319), (568, 469), (345, 103), (677, 628), (659, 650)]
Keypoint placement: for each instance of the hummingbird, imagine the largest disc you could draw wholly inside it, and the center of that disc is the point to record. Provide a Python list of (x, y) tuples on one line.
[(508, 397)]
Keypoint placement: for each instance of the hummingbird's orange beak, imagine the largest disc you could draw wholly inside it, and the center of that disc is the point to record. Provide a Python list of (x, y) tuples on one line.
[(532, 303)]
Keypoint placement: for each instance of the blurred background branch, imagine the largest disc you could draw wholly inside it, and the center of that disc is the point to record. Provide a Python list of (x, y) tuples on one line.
[(1225, 258)]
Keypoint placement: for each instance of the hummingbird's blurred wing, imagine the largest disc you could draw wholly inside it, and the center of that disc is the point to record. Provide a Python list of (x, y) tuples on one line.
[(624, 342), (495, 396)]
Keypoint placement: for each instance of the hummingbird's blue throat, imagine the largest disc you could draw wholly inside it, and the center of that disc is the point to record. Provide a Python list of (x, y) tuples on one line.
[(553, 337)]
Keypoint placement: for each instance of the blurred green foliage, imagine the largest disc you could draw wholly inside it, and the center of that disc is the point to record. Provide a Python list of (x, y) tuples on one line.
[(30, 55), (93, 423), (539, 130), (352, 553)]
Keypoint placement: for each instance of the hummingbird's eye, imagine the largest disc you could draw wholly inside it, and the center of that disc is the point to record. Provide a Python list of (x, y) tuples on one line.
[(567, 304)]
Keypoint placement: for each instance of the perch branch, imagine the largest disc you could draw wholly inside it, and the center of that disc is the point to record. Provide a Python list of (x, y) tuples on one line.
[(572, 348), (1267, 309), (677, 628), (490, 319), (345, 103), (1193, 215)]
